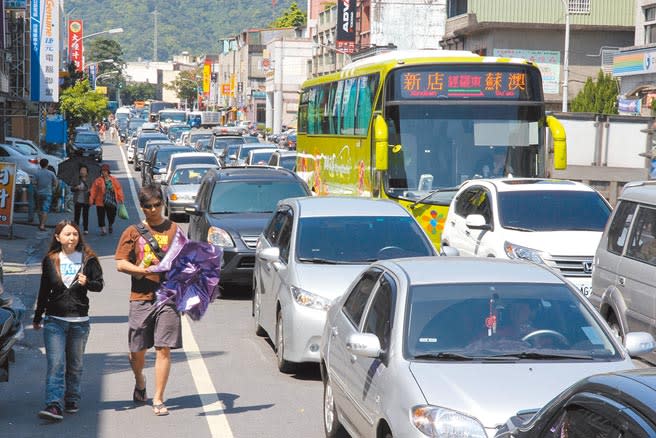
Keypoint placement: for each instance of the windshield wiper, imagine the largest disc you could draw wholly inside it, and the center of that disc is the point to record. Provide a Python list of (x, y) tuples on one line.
[(537, 355), (445, 355), (431, 193), (320, 261), (510, 227)]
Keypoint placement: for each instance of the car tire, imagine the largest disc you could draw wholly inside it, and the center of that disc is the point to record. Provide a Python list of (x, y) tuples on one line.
[(331, 425), (284, 366), (259, 331)]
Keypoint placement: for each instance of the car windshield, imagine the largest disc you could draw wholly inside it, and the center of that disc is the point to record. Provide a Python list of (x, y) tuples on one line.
[(24, 149), (84, 137), (195, 137), (229, 150), (251, 139), (188, 176), (261, 157), (553, 210), (509, 321), (252, 196), (243, 152), (163, 155), (372, 237), (193, 159), (288, 162)]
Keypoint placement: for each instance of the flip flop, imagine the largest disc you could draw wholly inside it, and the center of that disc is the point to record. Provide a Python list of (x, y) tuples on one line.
[(160, 410), (139, 395)]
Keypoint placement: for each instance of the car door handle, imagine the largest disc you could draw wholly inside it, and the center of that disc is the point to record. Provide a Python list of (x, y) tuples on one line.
[(467, 233), (621, 281), (334, 331)]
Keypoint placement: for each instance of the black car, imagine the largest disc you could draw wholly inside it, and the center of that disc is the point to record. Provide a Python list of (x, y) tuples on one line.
[(158, 160), (618, 404), (87, 144), (231, 209)]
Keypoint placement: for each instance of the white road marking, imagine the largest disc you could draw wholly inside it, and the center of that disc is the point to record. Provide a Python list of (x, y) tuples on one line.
[(212, 406)]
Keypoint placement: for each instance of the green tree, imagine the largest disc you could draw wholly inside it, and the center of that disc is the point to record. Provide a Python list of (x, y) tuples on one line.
[(598, 96), (291, 17), (186, 85), (138, 91), (101, 49), (80, 104)]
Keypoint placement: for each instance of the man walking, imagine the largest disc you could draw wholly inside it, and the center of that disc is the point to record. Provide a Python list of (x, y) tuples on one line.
[(150, 324), (46, 183)]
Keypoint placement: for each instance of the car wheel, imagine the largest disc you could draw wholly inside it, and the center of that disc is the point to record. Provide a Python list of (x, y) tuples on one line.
[(259, 331), (615, 326), (283, 365), (331, 425)]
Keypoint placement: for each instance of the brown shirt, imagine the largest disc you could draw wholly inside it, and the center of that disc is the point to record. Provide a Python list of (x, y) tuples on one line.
[(134, 248)]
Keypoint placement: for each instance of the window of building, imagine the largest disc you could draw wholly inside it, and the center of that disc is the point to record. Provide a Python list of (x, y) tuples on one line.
[(650, 24), (456, 7), (579, 6)]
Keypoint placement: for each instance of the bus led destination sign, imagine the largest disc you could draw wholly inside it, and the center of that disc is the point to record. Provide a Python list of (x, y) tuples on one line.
[(491, 84)]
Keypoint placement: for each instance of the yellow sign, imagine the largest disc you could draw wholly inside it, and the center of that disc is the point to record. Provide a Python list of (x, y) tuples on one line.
[(101, 90), (7, 190)]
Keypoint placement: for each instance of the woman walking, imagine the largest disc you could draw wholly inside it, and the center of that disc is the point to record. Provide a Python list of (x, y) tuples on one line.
[(106, 194), (81, 198), (69, 270)]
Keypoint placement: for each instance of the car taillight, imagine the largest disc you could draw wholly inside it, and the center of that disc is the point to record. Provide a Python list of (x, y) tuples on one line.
[(34, 161)]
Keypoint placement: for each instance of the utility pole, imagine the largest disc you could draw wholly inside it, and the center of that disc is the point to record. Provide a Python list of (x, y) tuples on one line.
[(155, 14), (566, 59)]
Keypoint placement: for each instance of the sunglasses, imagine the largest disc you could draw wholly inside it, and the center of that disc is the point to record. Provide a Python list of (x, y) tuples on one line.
[(150, 206)]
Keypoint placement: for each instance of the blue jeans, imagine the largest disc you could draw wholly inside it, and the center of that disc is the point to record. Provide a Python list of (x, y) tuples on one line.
[(65, 342)]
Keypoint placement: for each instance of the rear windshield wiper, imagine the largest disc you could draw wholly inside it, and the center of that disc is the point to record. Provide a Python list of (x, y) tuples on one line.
[(510, 227), (536, 355), (444, 355)]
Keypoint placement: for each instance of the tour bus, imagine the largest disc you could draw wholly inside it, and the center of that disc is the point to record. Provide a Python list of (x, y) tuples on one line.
[(413, 125)]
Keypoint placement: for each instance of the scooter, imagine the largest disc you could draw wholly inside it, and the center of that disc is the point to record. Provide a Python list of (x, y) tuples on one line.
[(11, 330)]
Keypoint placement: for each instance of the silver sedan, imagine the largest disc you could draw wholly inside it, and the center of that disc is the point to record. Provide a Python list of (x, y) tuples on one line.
[(180, 188), (454, 346)]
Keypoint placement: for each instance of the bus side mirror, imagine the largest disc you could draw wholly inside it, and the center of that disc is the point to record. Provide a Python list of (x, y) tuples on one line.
[(380, 137), (559, 142)]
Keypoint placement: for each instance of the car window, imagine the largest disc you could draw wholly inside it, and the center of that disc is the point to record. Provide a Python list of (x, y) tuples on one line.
[(357, 299), (642, 244), (285, 237), (84, 137), (379, 316), (252, 196), (272, 231), (601, 422), (288, 163), (480, 320), (468, 201), (550, 210), (24, 149), (377, 237), (619, 227)]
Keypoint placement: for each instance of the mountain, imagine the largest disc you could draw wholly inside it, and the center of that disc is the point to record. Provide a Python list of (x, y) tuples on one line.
[(182, 25)]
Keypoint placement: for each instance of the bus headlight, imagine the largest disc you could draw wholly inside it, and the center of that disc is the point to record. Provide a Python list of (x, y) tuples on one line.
[(437, 421)]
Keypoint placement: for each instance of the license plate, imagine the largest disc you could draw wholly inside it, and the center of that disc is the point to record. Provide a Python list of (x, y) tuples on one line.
[(586, 290)]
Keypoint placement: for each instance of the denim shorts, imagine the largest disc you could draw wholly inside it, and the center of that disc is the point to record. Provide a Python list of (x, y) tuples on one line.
[(43, 203), (153, 325)]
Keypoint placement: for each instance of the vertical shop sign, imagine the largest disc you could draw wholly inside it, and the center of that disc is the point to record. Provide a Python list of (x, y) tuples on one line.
[(75, 43), (44, 50), (7, 190), (345, 39)]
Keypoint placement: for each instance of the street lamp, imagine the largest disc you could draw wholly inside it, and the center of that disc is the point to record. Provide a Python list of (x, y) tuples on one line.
[(109, 61), (107, 73), (566, 60), (115, 30)]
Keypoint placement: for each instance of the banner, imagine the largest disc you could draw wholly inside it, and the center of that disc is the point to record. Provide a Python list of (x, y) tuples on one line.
[(207, 77), (345, 39), (75, 43), (44, 51), (7, 191)]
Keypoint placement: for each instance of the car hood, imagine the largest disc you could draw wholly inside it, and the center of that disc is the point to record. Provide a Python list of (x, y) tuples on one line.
[(493, 393), (559, 243), (328, 281), (245, 224), (184, 189)]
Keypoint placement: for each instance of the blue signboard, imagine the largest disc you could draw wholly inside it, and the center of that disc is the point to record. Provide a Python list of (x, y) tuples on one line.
[(15, 4)]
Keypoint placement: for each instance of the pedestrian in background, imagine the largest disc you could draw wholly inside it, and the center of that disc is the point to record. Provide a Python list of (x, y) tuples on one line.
[(150, 324), (106, 193), (46, 184), (81, 198), (69, 270)]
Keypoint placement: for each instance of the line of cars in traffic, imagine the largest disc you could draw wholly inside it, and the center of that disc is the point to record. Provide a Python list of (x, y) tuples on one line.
[(411, 343)]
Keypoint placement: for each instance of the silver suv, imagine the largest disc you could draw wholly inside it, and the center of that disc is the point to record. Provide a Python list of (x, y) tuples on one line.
[(624, 270)]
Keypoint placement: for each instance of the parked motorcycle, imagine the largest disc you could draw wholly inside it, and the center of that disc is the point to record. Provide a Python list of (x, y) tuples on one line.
[(11, 330)]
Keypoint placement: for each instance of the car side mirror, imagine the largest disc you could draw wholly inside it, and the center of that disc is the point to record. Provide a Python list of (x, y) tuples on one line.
[(271, 254), (193, 210), (364, 344), (476, 222), (638, 343)]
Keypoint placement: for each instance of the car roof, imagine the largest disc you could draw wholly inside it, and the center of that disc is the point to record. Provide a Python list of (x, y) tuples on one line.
[(323, 206), (255, 173), (532, 184), (285, 153), (640, 191), (440, 269), (196, 166), (260, 150)]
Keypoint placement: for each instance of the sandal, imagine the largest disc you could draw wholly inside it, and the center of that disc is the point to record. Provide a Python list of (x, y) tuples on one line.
[(160, 410), (139, 395)]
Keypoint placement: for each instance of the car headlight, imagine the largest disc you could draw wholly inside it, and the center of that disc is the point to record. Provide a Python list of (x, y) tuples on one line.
[(514, 251), (445, 423), (308, 299), (220, 237)]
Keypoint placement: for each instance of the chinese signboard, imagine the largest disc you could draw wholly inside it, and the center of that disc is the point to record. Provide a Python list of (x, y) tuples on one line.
[(7, 190), (44, 50), (548, 61), (431, 84), (75, 43), (345, 39)]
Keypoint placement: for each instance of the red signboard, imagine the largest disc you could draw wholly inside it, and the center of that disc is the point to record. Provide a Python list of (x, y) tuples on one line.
[(7, 190), (75, 47)]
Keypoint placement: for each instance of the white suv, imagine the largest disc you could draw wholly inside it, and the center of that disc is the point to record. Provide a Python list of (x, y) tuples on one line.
[(555, 222)]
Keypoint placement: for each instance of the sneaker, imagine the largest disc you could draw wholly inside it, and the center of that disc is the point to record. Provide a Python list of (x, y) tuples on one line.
[(51, 412), (71, 407)]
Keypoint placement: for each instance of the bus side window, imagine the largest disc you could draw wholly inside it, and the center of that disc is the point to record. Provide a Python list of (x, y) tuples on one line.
[(366, 90), (337, 109), (349, 102)]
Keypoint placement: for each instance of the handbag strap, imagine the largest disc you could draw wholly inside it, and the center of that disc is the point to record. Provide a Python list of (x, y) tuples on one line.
[(146, 234)]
